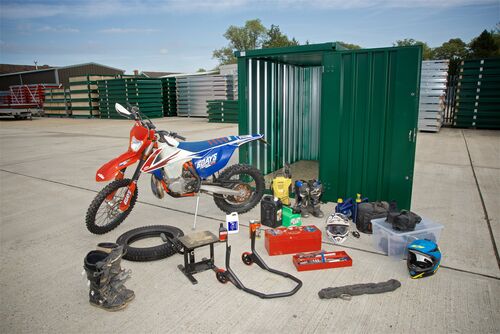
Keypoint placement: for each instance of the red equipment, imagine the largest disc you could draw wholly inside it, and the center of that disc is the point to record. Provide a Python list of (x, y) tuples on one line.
[(293, 240), (321, 260)]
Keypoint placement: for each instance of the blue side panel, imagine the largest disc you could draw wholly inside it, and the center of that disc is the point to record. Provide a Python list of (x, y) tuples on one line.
[(213, 160)]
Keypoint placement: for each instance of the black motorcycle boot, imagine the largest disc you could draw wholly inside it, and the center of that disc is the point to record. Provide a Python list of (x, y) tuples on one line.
[(315, 192), (118, 275), (102, 294), (301, 197)]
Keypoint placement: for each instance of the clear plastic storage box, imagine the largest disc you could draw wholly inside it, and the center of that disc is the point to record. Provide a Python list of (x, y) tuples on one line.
[(394, 243)]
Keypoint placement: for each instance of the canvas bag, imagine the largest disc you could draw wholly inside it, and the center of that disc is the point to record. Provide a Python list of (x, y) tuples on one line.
[(368, 211)]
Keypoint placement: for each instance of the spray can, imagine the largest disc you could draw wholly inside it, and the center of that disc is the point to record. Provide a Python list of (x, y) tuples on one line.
[(222, 233), (255, 227)]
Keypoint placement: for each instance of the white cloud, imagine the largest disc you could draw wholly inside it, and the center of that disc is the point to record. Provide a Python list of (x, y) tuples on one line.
[(99, 8), (128, 30), (163, 51), (57, 29)]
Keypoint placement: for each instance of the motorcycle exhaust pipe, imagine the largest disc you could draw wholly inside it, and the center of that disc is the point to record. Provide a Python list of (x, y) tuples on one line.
[(219, 190)]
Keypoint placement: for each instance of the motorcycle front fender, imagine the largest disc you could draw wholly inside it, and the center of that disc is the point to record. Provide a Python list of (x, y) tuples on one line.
[(109, 170)]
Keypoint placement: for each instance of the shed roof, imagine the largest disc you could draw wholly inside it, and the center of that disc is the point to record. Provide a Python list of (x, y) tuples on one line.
[(303, 55), (60, 68)]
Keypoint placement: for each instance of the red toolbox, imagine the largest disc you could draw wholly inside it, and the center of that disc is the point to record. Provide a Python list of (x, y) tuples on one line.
[(293, 240), (321, 260)]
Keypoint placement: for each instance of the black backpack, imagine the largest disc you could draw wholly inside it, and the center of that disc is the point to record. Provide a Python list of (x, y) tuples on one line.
[(403, 221), (368, 211)]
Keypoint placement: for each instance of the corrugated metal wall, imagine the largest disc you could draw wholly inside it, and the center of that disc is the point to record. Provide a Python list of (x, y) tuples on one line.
[(362, 105), (369, 122), (284, 104)]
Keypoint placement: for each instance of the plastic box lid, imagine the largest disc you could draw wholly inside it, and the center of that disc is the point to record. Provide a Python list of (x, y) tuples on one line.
[(424, 226)]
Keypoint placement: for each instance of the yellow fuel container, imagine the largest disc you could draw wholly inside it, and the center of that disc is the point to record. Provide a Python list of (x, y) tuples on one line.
[(280, 187)]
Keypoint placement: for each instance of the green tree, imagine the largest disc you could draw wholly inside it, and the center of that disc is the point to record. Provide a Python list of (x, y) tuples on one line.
[(455, 50), (253, 35), (201, 69), (276, 39), (484, 46), (248, 37), (349, 46), (426, 50)]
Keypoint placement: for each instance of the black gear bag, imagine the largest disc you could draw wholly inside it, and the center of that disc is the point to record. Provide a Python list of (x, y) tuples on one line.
[(368, 211), (403, 221)]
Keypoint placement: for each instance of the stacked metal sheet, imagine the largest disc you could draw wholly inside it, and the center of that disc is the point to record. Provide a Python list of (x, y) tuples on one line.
[(57, 102), (478, 94), (194, 91), (169, 96), (432, 94), (84, 95), (147, 94), (231, 69), (222, 111)]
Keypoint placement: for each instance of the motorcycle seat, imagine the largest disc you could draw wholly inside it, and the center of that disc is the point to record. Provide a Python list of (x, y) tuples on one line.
[(198, 146)]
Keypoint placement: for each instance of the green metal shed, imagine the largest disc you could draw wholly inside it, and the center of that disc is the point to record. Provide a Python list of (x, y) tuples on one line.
[(355, 111)]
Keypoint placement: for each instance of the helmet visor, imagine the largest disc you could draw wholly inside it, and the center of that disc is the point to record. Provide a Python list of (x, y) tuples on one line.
[(340, 230), (419, 261)]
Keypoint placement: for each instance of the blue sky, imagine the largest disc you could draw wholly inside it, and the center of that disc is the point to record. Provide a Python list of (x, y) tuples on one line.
[(179, 35)]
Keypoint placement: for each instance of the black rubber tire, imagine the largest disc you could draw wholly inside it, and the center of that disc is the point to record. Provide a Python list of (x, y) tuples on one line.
[(96, 203), (245, 257), (149, 253), (221, 277), (221, 202)]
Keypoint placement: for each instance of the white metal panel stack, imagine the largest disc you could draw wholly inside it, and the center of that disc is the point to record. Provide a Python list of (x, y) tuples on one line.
[(193, 92), (231, 69), (432, 94)]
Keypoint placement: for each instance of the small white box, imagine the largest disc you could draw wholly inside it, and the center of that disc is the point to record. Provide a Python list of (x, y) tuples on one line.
[(394, 243)]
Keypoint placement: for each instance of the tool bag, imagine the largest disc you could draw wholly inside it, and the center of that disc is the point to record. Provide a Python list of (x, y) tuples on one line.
[(403, 221), (368, 211)]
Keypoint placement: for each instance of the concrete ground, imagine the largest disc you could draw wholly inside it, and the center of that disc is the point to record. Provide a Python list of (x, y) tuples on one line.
[(47, 171)]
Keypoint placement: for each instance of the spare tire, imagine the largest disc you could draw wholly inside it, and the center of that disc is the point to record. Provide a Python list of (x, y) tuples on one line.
[(162, 251)]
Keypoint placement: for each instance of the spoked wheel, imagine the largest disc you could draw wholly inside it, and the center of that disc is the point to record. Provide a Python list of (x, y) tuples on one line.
[(248, 181), (103, 214)]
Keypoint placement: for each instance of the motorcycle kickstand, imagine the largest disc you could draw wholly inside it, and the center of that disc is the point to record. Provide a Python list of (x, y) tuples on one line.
[(196, 211)]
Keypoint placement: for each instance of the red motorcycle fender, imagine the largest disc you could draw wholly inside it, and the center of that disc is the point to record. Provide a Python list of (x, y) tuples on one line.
[(109, 170)]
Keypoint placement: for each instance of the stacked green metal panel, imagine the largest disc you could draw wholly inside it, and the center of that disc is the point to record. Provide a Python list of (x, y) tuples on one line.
[(147, 94), (84, 95), (222, 111), (169, 96), (57, 102), (478, 94)]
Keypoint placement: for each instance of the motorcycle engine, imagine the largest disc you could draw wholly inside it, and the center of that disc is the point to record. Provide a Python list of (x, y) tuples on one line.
[(186, 183)]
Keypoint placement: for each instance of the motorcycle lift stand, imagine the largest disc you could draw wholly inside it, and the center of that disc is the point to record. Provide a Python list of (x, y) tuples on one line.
[(190, 242), (248, 258)]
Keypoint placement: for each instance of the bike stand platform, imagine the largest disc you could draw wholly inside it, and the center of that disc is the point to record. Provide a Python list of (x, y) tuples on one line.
[(190, 242), (228, 275)]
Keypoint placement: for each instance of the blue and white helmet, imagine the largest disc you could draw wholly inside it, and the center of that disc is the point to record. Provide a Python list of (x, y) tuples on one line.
[(423, 259)]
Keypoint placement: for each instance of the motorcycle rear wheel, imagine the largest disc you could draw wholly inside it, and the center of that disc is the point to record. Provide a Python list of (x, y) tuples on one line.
[(103, 215), (250, 180)]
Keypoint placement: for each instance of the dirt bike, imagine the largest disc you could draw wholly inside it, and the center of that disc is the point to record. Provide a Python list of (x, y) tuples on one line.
[(179, 169)]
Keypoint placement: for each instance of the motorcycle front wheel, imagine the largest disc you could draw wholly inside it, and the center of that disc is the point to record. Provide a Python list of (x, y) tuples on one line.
[(103, 214), (246, 179)]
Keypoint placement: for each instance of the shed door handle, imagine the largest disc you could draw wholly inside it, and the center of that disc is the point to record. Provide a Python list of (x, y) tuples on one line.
[(409, 135)]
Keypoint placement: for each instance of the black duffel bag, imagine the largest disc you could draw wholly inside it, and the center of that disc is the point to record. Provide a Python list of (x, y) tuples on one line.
[(403, 221), (368, 211)]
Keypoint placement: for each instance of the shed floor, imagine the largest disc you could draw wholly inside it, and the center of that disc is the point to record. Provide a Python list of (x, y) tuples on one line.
[(47, 172)]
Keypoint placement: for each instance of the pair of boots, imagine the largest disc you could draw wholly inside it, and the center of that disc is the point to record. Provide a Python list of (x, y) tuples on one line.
[(307, 198), (106, 277)]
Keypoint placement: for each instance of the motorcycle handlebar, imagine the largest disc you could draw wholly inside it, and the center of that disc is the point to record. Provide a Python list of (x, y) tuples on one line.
[(170, 134)]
